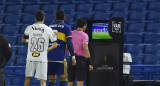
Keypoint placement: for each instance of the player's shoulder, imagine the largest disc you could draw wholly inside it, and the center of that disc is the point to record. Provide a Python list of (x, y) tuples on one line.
[(84, 34)]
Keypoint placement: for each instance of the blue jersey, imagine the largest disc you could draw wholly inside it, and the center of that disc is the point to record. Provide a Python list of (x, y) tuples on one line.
[(63, 32)]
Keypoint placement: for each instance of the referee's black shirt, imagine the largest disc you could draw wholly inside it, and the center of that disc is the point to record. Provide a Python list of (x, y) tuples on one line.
[(5, 51)]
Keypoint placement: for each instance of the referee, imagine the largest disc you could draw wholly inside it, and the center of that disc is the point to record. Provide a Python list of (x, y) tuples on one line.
[(80, 43), (5, 54)]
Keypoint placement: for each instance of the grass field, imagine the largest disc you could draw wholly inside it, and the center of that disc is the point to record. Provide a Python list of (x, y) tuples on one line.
[(101, 35)]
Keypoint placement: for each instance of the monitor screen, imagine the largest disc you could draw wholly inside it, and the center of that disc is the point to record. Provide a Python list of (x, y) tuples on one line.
[(100, 31)]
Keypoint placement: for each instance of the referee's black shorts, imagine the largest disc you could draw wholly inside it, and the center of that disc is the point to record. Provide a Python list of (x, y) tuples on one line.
[(77, 72)]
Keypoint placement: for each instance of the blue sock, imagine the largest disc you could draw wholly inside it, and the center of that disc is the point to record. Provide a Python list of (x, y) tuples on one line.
[(52, 82), (63, 83)]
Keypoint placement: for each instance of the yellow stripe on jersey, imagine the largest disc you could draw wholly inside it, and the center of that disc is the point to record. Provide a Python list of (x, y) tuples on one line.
[(61, 36), (68, 36)]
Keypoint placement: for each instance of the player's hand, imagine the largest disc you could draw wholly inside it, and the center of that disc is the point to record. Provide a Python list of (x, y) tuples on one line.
[(49, 49), (73, 62), (90, 67)]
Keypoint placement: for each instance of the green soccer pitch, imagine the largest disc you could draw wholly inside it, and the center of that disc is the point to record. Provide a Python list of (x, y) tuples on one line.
[(101, 35)]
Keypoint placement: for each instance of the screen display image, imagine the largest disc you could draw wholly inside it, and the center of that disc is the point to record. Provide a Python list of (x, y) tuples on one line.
[(100, 31)]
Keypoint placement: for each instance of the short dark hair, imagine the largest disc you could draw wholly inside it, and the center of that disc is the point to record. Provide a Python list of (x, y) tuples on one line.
[(60, 15), (81, 22), (39, 15)]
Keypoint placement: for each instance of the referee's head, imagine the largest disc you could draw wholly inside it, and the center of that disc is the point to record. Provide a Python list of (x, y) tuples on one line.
[(60, 15), (40, 16), (81, 23)]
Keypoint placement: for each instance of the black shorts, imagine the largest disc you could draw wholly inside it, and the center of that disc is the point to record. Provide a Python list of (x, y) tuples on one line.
[(77, 72)]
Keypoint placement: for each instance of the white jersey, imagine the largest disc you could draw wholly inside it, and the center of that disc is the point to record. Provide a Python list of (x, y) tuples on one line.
[(39, 36)]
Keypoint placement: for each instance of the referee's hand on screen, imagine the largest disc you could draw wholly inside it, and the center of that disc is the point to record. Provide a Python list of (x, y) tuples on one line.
[(90, 67), (73, 62)]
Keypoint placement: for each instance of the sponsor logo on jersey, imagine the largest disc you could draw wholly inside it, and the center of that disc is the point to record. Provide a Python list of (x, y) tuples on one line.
[(35, 54)]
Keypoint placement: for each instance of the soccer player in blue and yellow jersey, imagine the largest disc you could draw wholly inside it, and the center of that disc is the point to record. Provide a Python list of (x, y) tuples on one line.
[(56, 58)]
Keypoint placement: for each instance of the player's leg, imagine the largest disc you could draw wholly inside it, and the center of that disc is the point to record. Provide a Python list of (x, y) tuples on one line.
[(62, 72), (71, 73), (52, 73), (43, 82), (80, 70), (30, 69), (27, 81), (41, 72)]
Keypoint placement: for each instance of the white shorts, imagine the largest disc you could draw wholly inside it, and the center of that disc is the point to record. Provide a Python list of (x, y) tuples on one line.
[(39, 68)]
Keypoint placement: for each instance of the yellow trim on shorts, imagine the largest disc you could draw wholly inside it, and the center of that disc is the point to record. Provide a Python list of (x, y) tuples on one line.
[(58, 61)]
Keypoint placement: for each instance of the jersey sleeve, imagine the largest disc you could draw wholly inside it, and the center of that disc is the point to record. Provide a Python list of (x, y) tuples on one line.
[(52, 35), (26, 32), (85, 39), (68, 32)]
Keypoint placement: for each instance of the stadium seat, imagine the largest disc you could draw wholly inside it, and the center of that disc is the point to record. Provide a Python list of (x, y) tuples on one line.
[(22, 29), (153, 27), (64, 1), (16, 80), (80, 1), (154, 6), (151, 38), (2, 8), (68, 8), (156, 77), (103, 7), (137, 16), (137, 59), (12, 39), (10, 30), (87, 8), (14, 9), (14, 50), (150, 59), (29, 1), (132, 0), (150, 0), (20, 41), (50, 8), (49, 19), (154, 16), (84, 15), (70, 17), (133, 38), (11, 61), (120, 14), (135, 49), (9, 80), (35, 82), (101, 16), (22, 50), (136, 27), (11, 2), (21, 60), (97, 1), (151, 49), (138, 77), (31, 8), (1, 19), (28, 19), (12, 19), (138, 6), (120, 6), (46, 1)]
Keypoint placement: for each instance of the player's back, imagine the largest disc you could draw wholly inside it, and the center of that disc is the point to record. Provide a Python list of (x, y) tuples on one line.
[(63, 31), (38, 42), (79, 38)]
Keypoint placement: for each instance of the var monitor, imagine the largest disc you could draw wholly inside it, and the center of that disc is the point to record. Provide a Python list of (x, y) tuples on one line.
[(100, 30)]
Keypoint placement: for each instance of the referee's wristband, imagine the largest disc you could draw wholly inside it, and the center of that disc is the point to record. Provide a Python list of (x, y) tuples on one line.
[(73, 57), (89, 61)]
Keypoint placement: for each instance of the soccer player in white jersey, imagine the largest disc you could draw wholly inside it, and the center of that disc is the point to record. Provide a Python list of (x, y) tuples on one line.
[(39, 35)]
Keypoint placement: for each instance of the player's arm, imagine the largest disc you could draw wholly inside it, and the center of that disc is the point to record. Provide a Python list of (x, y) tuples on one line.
[(26, 35), (87, 55), (54, 45)]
